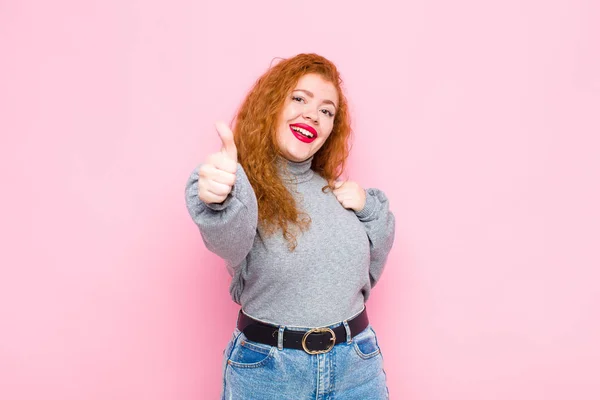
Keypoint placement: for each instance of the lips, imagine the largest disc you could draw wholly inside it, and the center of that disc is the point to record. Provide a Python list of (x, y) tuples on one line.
[(304, 132)]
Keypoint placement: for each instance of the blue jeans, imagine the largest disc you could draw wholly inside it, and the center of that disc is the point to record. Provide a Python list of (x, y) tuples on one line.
[(350, 371)]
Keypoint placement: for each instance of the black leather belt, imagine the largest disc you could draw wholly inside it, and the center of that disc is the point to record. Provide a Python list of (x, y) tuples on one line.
[(313, 341)]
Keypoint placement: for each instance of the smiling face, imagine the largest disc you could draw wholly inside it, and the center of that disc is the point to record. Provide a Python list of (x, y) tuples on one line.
[(306, 119)]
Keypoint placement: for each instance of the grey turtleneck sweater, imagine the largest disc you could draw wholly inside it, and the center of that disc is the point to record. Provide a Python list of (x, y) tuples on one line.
[(326, 279)]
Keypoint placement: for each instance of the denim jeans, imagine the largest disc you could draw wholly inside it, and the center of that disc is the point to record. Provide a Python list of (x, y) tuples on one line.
[(352, 370)]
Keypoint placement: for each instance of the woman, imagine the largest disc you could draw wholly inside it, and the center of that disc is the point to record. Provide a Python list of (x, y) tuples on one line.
[(303, 249)]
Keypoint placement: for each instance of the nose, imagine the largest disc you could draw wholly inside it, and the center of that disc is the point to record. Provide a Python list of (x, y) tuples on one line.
[(311, 113)]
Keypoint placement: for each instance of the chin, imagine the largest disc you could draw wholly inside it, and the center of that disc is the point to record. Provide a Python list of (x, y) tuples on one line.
[(296, 156)]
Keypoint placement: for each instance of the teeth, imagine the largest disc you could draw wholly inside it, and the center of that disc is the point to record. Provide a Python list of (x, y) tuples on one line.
[(303, 131)]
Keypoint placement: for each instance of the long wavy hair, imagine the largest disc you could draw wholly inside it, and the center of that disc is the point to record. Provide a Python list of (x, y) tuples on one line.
[(255, 135)]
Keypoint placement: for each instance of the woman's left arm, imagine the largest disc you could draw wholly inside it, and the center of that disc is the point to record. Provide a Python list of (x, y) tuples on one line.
[(371, 206)]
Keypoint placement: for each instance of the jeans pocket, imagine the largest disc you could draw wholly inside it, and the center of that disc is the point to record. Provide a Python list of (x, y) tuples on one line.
[(365, 344), (246, 354)]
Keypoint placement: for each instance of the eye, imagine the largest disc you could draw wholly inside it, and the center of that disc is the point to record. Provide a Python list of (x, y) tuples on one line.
[(327, 112), (298, 99)]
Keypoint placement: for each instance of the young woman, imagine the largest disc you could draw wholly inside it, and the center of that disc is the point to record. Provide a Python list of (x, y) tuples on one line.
[(303, 248)]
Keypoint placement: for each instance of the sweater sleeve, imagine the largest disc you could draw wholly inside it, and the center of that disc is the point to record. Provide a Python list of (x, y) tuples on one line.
[(228, 228), (379, 223)]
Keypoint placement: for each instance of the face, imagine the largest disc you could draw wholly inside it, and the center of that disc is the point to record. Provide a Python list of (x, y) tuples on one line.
[(306, 120)]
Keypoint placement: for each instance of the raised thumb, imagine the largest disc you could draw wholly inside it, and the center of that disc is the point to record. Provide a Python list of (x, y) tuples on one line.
[(226, 136)]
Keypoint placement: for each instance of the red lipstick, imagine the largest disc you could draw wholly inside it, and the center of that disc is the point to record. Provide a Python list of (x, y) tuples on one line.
[(301, 132)]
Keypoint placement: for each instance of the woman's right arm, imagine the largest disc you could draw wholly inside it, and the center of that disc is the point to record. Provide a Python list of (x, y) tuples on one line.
[(222, 203), (228, 228)]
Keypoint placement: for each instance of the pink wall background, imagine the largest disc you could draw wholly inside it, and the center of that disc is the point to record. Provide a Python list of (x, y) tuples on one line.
[(480, 120)]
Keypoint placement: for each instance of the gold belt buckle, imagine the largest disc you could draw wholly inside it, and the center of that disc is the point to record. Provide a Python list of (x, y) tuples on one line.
[(318, 330)]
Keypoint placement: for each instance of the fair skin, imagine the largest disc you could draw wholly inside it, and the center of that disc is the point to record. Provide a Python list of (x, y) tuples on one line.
[(310, 107), (305, 123), (216, 176)]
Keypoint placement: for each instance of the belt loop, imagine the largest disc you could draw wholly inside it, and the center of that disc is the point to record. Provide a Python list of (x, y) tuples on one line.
[(280, 338), (348, 333)]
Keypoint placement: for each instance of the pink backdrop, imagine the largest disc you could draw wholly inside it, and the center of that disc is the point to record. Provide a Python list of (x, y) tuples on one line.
[(480, 120)]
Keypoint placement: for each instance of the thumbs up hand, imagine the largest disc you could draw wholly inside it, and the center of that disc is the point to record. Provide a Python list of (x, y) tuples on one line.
[(217, 174), (226, 136)]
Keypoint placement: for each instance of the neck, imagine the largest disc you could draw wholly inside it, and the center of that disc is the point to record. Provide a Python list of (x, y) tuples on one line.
[(291, 171)]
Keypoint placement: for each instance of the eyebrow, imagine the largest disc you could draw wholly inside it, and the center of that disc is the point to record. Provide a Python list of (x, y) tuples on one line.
[(311, 95)]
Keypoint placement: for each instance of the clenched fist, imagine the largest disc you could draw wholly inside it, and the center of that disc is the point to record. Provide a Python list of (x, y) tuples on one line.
[(217, 174), (350, 195)]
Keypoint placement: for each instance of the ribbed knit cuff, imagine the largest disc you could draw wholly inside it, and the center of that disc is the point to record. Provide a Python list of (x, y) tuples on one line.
[(370, 206)]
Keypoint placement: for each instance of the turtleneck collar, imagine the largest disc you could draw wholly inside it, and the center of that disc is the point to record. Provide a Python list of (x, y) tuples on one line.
[(296, 172)]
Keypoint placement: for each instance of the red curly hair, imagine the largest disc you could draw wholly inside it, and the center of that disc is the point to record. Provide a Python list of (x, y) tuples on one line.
[(255, 137)]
